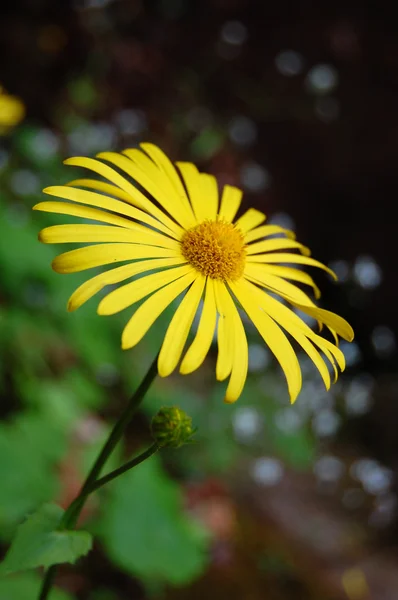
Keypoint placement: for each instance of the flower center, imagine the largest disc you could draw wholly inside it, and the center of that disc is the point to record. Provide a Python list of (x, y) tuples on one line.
[(216, 249)]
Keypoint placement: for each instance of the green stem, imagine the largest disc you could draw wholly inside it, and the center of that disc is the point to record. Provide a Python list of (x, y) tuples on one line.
[(72, 513), (75, 508), (126, 467)]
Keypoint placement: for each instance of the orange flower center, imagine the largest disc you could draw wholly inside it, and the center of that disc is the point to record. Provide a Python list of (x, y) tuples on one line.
[(215, 249)]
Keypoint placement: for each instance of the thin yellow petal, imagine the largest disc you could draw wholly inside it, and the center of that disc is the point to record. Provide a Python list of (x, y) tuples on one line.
[(150, 310), (280, 286), (230, 201), (225, 332), (240, 360), (261, 276), (334, 334), (266, 230), (275, 244), (149, 183), (301, 301), (209, 188), (100, 186), (329, 349), (136, 197), (91, 287), (200, 346), (164, 164), (287, 257), (292, 323), (176, 193), (101, 201), (177, 332), (85, 212), (250, 219), (137, 234), (332, 352), (273, 337), (105, 254), (337, 323), (130, 293), (191, 178), (293, 274)]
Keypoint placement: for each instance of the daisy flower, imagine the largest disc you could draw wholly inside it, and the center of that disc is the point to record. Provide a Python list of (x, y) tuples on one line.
[(171, 226)]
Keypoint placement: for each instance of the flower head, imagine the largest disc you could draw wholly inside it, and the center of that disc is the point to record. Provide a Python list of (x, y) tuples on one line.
[(172, 427), (170, 226)]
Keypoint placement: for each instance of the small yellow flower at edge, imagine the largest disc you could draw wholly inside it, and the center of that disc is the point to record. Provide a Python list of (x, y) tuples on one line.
[(12, 110), (184, 238)]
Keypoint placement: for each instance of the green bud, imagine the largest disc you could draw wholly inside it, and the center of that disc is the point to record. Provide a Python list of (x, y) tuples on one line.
[(171, 427)]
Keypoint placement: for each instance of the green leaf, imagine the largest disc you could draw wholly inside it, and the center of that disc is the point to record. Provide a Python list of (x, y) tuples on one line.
[(207, 143), (25, 586), (38, 543), (30, 447), (145, 530)]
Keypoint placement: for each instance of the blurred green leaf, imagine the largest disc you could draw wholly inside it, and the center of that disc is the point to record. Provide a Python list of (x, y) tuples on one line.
[(297, 448), (145, 530), (38, 543), (30, 447), (26, 586), (207, 143), (83, 92)]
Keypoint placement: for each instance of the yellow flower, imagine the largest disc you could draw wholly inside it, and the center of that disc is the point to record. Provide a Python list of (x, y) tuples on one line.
[(171, 227), (12, 110)]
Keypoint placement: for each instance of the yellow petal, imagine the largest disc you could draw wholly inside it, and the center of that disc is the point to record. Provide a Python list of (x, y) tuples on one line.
[(240, 360), (149, 311), (266, 230), (287, 319), (230, 202), (164, 164), (287, 257), (101, 201), (332, 352), (137, 234), (250, 219), (225, 331), (91, 287), (105, 254), (136, 197), (273, 337), (191, 178), (276, 244), (337, 323), (175, 192), (67, 208), (179, 327), (100, 186), (293, 274), (199, 348), (276, 284), (280, 286), (209, 188), (301, 301), (172, 205), (130, 293)]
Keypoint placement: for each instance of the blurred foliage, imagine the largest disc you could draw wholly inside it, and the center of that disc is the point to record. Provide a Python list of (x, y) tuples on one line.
[(144, 532), (39, 543), (24, 586)]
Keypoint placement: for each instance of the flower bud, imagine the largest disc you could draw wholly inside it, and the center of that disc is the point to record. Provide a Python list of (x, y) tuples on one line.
[(171, 427)]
